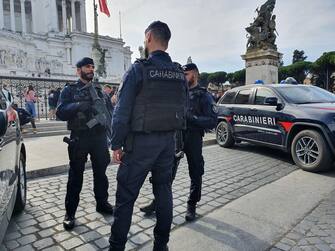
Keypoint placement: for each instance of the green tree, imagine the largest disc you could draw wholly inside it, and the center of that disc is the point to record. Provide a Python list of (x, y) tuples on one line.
[(298, 70), (298, 56), (203, 79), (323, 67), (217, 77), (230, 77), (239, 77)]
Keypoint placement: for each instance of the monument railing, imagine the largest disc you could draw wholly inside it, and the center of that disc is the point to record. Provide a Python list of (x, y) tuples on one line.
[(19, 85)]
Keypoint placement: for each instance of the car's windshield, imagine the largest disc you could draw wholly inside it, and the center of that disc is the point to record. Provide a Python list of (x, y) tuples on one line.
[(306, 94)]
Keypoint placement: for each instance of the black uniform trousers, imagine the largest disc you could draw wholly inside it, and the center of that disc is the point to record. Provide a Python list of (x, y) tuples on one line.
[(193, 152), (150, 152), (84, 143)]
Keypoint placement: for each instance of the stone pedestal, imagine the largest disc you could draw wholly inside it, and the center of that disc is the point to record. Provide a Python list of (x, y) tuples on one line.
[(262, 65)]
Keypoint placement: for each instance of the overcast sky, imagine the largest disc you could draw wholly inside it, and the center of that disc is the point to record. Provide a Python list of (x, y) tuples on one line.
[(212, 31)]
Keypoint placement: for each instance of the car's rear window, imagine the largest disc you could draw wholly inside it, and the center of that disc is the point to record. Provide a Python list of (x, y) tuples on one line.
[(228, 97), (243, 97), (306, 94)]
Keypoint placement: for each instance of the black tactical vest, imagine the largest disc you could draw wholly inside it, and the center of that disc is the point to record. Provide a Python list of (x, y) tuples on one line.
[(196, 94), (161, 103), (78, 122)]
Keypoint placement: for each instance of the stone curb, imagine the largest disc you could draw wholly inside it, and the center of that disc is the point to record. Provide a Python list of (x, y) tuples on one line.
[(53, 170)]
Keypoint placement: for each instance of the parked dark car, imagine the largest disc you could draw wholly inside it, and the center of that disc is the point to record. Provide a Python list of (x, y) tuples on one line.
[(298, 119), (12, 164)]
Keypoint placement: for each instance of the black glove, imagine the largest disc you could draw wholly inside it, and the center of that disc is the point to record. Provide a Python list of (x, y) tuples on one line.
[(84, 106)]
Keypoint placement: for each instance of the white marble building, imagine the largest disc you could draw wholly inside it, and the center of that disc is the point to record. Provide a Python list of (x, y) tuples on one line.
[(41, 36)]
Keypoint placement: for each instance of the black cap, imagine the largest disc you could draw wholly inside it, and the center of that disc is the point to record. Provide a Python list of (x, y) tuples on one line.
[(190, 67), (84, 61)]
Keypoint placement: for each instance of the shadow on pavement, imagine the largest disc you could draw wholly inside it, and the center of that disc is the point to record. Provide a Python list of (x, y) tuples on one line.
[(228, 235)]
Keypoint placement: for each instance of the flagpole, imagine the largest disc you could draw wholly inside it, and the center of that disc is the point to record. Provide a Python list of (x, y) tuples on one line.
[(98, 53), (96, 28), (120, 24)]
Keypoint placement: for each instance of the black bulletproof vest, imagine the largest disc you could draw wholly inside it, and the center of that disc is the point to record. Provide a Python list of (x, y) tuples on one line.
[(161, 103), (78, 122), (196, 94)]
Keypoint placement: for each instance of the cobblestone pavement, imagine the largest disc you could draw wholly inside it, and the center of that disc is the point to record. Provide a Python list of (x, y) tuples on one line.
[(315, 232), (230, 173)]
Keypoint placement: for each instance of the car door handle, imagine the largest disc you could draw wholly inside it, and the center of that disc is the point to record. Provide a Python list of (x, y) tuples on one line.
[(253, 109)]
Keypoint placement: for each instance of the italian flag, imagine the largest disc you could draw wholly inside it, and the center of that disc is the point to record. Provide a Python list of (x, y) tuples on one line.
[(103, 7)]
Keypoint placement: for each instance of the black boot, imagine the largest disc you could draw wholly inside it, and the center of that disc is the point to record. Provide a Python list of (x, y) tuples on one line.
[(190, 214), (104, 208), (149, 209), (68, 222)]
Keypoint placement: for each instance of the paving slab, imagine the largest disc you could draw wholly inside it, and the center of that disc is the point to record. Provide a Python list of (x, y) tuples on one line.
[(257, 220)]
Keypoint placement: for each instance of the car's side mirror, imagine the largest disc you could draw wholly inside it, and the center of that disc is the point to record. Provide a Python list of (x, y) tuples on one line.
[(3, 123), (273, 101), (279, 107)]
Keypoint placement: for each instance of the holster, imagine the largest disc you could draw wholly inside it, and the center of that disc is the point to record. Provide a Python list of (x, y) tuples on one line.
[(72, 147)]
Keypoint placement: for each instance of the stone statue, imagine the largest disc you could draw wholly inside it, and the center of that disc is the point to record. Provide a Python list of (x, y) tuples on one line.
[(189, 60), (262, 32), (101, 66), (141, 50)]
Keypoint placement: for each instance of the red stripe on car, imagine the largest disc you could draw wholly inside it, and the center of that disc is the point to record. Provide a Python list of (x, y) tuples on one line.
[(229, 118), (286, 125)]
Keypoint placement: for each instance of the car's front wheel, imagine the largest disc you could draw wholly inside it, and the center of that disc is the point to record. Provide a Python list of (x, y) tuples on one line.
[(310, 151), (224, 135), (21, 195)]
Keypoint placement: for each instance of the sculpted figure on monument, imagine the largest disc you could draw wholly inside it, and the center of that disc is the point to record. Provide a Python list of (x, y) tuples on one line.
[(262, 30), (101, 64)]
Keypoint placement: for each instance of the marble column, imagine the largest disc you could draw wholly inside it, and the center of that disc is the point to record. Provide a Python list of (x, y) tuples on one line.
[(73, 13), (64, 16), (83, 15), (68, 55), (23, 17), (53, 17), (1, 15), (12, 16)]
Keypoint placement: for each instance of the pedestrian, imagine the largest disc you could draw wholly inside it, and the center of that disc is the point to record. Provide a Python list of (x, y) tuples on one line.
[(201, 116), (76, 107), (108, 92), (57, 94), (52, 101), (24, 116), (151, 106), (7, 93), (31, 99), (57, 99), (108, 95)]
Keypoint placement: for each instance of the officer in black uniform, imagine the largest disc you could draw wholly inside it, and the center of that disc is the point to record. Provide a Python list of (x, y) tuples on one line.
[(76, 107), (151, 107), (201, 116), (149, 209)]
